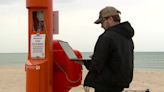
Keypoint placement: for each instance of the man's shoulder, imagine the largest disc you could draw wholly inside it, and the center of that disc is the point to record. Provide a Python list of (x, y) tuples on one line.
[(109, 34)]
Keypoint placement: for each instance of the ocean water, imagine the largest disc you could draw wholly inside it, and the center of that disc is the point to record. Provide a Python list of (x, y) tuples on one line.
[(142, 60), (16, 59), (149, 60)]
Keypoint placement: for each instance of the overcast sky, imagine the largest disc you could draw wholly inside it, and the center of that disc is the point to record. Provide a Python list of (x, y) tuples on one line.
[(76, 25)]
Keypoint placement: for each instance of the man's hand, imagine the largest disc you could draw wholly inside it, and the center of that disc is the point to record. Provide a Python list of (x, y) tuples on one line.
[(86, 88), (91, 56)]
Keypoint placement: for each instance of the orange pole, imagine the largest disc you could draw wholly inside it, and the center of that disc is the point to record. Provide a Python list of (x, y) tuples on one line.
[(39, 66)]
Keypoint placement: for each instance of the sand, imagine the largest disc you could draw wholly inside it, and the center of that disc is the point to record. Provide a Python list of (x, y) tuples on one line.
[(12, 79)]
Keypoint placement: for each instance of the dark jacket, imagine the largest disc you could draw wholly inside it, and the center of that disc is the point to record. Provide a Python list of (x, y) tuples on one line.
[(112, 61)]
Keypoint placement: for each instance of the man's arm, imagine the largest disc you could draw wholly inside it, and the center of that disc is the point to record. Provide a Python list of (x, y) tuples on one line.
[(101, 54)]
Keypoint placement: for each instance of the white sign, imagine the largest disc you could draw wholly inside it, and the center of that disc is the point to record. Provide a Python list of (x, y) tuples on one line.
[(38, 46)]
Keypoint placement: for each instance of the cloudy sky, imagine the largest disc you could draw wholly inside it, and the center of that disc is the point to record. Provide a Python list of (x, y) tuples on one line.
[(76, 26)]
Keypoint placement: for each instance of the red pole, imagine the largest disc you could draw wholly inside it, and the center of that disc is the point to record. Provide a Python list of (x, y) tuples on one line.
[(39, 66)]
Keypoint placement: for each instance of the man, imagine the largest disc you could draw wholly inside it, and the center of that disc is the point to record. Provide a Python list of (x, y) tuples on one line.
[(111, 67)]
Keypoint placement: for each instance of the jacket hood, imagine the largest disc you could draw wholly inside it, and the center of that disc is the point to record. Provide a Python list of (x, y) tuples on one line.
[(124, 29)]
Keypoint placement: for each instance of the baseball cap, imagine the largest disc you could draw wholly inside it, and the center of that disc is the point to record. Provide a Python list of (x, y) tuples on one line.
[(106, 12)]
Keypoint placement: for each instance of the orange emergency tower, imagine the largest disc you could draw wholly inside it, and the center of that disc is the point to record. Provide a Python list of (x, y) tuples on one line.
[(39, 67), (48, 68)]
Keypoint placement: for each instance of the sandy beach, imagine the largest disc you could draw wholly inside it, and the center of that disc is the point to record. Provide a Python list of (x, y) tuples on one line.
[(12, 79)]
